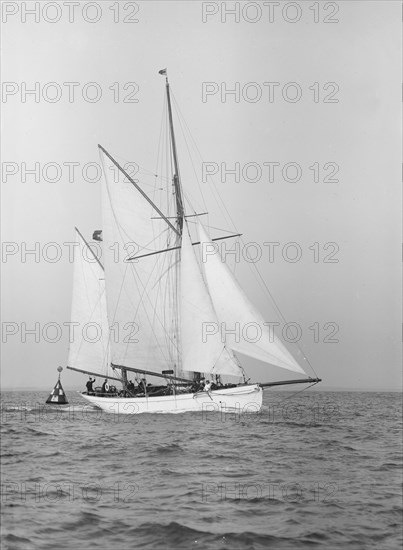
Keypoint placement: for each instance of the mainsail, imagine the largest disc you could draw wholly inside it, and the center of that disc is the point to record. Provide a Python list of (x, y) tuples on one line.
[(141, 294), (201, 352), (233, 308), (89, 345)]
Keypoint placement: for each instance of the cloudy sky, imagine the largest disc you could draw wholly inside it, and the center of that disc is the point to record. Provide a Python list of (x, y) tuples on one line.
[(316, 92)]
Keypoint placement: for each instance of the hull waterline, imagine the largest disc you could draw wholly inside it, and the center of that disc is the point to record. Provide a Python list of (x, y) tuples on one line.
[(241, 399)]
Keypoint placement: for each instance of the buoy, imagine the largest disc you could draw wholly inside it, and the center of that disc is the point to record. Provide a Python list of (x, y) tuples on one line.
[(57, 397)]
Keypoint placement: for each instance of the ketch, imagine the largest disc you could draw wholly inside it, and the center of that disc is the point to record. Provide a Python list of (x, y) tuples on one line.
[(153, 305)]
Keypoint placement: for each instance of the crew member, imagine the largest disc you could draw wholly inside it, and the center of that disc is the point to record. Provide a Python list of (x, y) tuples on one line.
[(90, 389)]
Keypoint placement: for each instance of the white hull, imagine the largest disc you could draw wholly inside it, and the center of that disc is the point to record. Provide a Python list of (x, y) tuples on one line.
[(241, 399)]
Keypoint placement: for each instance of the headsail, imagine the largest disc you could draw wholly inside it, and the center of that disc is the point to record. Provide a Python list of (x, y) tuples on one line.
[(232, 306), (89, 346), (139, 293), (206, 354)]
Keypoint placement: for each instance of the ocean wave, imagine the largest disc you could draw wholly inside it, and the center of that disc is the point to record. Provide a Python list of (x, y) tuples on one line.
[(175, 536), (13, 542), (167, 449)]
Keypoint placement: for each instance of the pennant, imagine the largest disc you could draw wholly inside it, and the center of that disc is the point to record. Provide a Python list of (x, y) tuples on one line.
[(163, 71), (97, 235)]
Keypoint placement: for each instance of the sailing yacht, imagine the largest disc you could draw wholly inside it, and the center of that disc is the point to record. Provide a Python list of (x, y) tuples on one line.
[(153, 306)]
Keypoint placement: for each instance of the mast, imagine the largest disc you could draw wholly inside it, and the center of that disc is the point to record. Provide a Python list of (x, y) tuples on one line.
[(179, 223), (176, 177)]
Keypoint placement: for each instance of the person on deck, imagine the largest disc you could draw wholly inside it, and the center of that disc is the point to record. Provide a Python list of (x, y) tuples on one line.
[(90, 389), (207, 386)]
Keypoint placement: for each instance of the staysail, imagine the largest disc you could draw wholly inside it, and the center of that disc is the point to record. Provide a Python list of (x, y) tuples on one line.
[(89, 341), (235, 313), (201, 352), (140, 293)]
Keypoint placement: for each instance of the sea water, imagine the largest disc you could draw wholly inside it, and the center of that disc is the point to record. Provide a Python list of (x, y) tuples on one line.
[(312, 470)]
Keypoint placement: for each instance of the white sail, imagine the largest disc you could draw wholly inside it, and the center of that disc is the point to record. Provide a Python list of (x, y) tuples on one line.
[(236, 313), (201, 352), (89, 345), (140, 294)]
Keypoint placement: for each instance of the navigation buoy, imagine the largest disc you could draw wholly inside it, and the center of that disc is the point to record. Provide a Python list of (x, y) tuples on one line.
[(57, 397)]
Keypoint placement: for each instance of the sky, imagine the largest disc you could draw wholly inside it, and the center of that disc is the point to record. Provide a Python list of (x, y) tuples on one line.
[(330, 119)]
